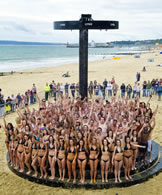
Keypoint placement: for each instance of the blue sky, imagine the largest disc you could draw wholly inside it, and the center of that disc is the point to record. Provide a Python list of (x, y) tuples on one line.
[(32, 20)]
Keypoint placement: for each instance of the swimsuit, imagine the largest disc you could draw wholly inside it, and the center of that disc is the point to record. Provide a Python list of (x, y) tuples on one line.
[(69, 151), (126, 148), (117, 151), (81, 150), (92, 149)]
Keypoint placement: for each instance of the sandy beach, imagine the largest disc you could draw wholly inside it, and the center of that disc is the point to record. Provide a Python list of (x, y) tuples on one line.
[(124, 70)]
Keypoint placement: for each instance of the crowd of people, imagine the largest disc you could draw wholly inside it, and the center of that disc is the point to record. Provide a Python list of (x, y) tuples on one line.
[(107, 89), (10, 103), (72, 133)]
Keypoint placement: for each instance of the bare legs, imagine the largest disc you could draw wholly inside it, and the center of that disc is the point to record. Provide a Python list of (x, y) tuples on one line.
[(27, 162), (52, 163), (118, 165), (41, 162), (34, 165), (82, 165), (93, 171), (21, 161), (71, 166), (104, 170), (128, 163), (61, 164)]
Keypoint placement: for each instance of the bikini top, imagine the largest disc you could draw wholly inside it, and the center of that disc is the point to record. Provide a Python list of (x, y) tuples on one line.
[(132, 140), (51, 147), (69, 151), (126, 148), (34, 146), (81, 149), (117, 151), (62, 148), (42, 148), (21, 142), (92, 149), (107, 150)]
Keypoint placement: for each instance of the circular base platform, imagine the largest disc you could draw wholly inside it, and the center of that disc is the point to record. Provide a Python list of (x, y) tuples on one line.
[(144, 172)]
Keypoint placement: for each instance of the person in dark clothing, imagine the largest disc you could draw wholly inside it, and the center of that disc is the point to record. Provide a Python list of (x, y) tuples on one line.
[(122, 88), (72, 87)]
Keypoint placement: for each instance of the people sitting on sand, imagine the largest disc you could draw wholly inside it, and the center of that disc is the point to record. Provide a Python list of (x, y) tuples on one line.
[(144, 69), (66, 75)]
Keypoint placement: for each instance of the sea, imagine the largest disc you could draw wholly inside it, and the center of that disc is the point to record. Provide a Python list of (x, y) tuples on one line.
[(24, 57)]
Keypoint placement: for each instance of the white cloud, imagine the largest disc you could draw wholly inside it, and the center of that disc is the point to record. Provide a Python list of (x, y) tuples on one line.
[(32, 20)]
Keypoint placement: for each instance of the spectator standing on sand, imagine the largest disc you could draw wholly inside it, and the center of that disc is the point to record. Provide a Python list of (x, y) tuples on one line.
[(129, 91), (138, 76), (34, 89), (122, 88), (2, 105), (148, 89), (115, 89), (72, 88), (13, 103), (138, 91), (47, 90), (144, 88), (109, 88), (134, 90), (159, 91), (105, 85), (67, 88), (18, 99)]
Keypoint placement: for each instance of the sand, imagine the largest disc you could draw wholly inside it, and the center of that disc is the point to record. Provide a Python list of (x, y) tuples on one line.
[(124, 70)]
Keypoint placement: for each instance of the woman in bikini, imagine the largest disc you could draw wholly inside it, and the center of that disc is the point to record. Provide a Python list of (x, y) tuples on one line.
[(27, 152), (82, 158), (42, 153), (20, 151), (117, 160), (8, 128), (111, 141), (134, 140), (71, 160), (128, 152), (52, 155), (12, 150), (93, 157), (34, 152), (105, 160), (61, 158)]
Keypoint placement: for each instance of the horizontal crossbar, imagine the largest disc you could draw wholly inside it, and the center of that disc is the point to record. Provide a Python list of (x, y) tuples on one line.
[(92, 25)]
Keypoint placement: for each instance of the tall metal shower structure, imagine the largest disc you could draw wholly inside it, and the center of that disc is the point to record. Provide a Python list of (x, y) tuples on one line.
[(83, 25)]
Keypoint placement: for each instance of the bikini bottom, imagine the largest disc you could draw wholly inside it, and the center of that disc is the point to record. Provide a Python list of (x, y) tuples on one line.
[(128, 156), (70, 161), (51, 156), (105, 160), (20, 152), (93, 159), (118, 160), (60, 158), (41, 157), (82, 159)]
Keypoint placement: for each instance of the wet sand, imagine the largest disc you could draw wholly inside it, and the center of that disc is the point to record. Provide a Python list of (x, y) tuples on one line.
[(124, 70)]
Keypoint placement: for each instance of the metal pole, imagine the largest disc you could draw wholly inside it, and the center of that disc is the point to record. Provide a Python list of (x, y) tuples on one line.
[(83, 62)]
